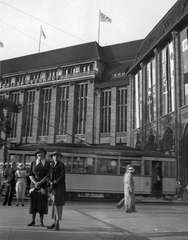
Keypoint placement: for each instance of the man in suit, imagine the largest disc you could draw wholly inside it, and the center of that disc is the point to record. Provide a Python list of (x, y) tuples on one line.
[(11, 182)]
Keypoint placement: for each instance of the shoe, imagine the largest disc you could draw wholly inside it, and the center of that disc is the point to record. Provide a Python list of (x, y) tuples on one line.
[(118, 207), (31, 224), (51, 226), (17, 205), (9, 204), (57, 227), (4, 204), (41, 224), (22, 205)]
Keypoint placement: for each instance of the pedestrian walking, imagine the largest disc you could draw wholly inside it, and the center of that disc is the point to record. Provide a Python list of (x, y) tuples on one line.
[(57, 188), (129, 195), (179, 189), (39, 174), (21, 183), (10, 183), (120, 204)]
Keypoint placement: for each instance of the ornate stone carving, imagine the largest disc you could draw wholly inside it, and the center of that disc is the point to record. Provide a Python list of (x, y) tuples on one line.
[(184, 5), (166, 26)]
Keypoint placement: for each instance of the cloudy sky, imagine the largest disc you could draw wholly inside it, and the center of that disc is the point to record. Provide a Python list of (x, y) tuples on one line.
[(72, 22)]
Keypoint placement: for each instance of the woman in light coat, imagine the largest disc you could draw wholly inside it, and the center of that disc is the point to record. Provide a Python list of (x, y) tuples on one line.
[(21, 183), (129, 197)]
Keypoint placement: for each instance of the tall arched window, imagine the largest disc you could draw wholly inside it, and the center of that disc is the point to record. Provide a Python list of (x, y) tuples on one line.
[(151, 143)]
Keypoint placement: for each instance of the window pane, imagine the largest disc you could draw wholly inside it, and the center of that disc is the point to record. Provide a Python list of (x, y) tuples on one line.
[(172, 169), (29, 158), (166, 174), (78, 164), (123, 165), (184, 52), (107, 166), (147, 168), (67, 162)]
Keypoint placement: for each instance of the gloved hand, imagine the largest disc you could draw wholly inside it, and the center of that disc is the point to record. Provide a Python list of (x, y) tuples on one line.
[(54, 184)]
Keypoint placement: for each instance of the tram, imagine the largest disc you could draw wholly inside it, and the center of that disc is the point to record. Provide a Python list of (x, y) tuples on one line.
[(97, 169)]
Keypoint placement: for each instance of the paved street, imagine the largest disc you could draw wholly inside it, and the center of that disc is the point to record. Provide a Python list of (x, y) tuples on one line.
[(100, 221)]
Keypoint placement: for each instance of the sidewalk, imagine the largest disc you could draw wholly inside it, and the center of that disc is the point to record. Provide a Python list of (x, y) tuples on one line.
[(74, 226), (77, 224), (168, 199)]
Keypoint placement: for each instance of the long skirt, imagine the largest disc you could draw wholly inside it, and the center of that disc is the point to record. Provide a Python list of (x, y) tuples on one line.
[(20, 188), (39, 206), (57, 212)]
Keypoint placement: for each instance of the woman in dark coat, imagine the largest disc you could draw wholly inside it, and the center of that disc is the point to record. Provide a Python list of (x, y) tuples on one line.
[(39, 174), (58, 188)]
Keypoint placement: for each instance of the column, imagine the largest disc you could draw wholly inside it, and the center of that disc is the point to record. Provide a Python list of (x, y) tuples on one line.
[(20, 126), (97, 115), (181, 171), (89, 134), (53, 115), (71, 107), (113, 116), (36, 115), (158, 101)]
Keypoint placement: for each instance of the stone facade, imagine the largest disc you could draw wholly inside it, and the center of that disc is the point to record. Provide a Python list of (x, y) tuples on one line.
[(67, 101), (161, 69)]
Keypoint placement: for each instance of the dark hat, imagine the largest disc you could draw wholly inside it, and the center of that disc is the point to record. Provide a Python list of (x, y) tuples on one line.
[(40, 150), (56, 153)]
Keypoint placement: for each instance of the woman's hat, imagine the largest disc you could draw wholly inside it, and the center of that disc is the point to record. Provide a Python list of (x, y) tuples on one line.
[(21, 165), (131, 169), (56, 153), (128, 166), (40, 150)]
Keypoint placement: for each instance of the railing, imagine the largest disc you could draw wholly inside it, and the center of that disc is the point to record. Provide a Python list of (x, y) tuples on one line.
[(53, 78)]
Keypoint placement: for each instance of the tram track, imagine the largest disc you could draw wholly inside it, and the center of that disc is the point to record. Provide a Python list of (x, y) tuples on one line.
[(107, 231)]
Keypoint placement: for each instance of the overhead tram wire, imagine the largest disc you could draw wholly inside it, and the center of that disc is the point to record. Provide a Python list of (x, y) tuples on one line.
[(47, 46), (48, 124), (26, 34), (31, 63), (44, 22)]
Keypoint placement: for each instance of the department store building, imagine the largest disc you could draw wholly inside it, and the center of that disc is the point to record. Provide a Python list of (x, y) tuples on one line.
[(78, 94), (159, 89)]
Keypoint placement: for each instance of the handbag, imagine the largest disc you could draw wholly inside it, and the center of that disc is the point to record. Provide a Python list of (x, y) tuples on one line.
[(36, 194), (51, 197)]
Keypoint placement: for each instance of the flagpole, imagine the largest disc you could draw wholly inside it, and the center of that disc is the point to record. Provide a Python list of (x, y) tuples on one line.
[(99, 26), (40, 37)]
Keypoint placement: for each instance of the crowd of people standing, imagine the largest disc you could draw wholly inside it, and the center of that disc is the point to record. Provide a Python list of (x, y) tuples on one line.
[(47, 180)]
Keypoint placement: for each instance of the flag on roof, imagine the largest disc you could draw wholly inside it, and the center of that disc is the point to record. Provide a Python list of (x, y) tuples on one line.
[(42, 33), (1, 44), (104, 18)]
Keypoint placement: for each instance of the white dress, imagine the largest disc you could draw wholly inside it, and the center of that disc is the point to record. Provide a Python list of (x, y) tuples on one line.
[(20, 183)]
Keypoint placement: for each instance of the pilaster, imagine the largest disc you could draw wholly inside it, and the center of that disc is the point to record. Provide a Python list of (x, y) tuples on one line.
[(20, 118), (53, 121), (90, 113), (36, 115), (71, 106), (97, 120), (113, 116)]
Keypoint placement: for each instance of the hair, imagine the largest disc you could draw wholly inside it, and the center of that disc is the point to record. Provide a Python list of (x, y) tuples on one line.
[(13, 163)]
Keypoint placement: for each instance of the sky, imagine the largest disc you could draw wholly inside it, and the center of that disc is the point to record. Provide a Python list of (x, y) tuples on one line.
[(72, 22)]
